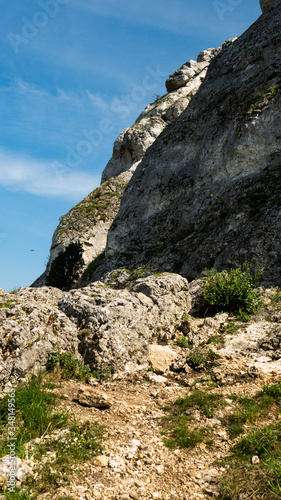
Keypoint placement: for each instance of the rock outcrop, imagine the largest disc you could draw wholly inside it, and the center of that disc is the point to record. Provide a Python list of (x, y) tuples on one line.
[(88, 222), (112, 329), (32, 326), (207, 192), (117, 326)]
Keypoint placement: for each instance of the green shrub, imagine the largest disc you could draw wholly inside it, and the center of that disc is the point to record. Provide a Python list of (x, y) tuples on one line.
[(70, 367), (66, 267), (199, 358), (231, 291), (183, 342)]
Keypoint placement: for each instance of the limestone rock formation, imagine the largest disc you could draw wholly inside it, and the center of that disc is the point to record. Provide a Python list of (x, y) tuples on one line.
[(131, 144), (32, 326), (117, 326), (265, 4), (191, 70), (112, 329), (208, 190), (89, 221)]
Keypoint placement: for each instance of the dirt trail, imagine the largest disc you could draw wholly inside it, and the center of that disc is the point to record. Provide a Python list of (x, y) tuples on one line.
[(136, 464)]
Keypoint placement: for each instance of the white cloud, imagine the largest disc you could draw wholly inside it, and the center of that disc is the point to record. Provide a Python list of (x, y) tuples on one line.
[(22, 173), (98, 102)]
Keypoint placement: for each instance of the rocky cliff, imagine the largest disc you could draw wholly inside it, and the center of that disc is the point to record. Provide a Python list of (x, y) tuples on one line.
[(202, 170), (88, 222), (207, 192), (198, 178)]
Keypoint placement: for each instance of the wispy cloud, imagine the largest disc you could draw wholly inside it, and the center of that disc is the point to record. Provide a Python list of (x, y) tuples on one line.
[(26, 174), (179, 17), (98, 101)]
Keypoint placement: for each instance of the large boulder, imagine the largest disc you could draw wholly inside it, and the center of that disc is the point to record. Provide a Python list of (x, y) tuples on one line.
[(31, 327), (117, 326)]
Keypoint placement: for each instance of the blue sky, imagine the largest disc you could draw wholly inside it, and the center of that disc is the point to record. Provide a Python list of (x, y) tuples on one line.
[(74, 69)]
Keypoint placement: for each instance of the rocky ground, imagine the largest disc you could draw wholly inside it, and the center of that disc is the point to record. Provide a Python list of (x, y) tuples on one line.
[(135, 463)]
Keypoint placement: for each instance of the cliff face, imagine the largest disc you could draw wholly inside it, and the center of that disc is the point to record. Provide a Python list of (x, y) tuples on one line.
[(89, 221), (207, 192)]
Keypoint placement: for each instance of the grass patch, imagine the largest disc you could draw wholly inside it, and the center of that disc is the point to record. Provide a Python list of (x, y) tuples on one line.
[(178, 424), (262, 480), (248, 410), (66, 443), (182, 437), (35, 415), (18, 494), (8, 304)]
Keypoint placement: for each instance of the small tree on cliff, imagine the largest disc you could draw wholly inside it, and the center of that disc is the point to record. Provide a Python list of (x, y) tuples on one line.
[(65, 269)]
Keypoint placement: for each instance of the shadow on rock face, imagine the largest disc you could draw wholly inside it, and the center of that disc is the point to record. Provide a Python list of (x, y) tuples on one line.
[(265, 4)]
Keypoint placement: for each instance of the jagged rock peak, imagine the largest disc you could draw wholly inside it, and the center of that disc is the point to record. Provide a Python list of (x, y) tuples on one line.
[(191, 69), (133, 142), (265, 4)]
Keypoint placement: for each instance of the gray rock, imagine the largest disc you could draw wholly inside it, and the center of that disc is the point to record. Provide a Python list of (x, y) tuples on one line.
[(206, 192), (191, 69), (131, 145), (21, 469), (121, 324), (31, 328), (93, 398)]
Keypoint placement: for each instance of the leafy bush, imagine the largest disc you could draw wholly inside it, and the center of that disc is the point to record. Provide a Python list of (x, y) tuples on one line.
[(65, 269), (231, 291)]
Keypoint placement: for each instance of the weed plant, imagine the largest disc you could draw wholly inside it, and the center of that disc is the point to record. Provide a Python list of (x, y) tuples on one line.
[(183, 342), (231, 291), (70, 367)]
